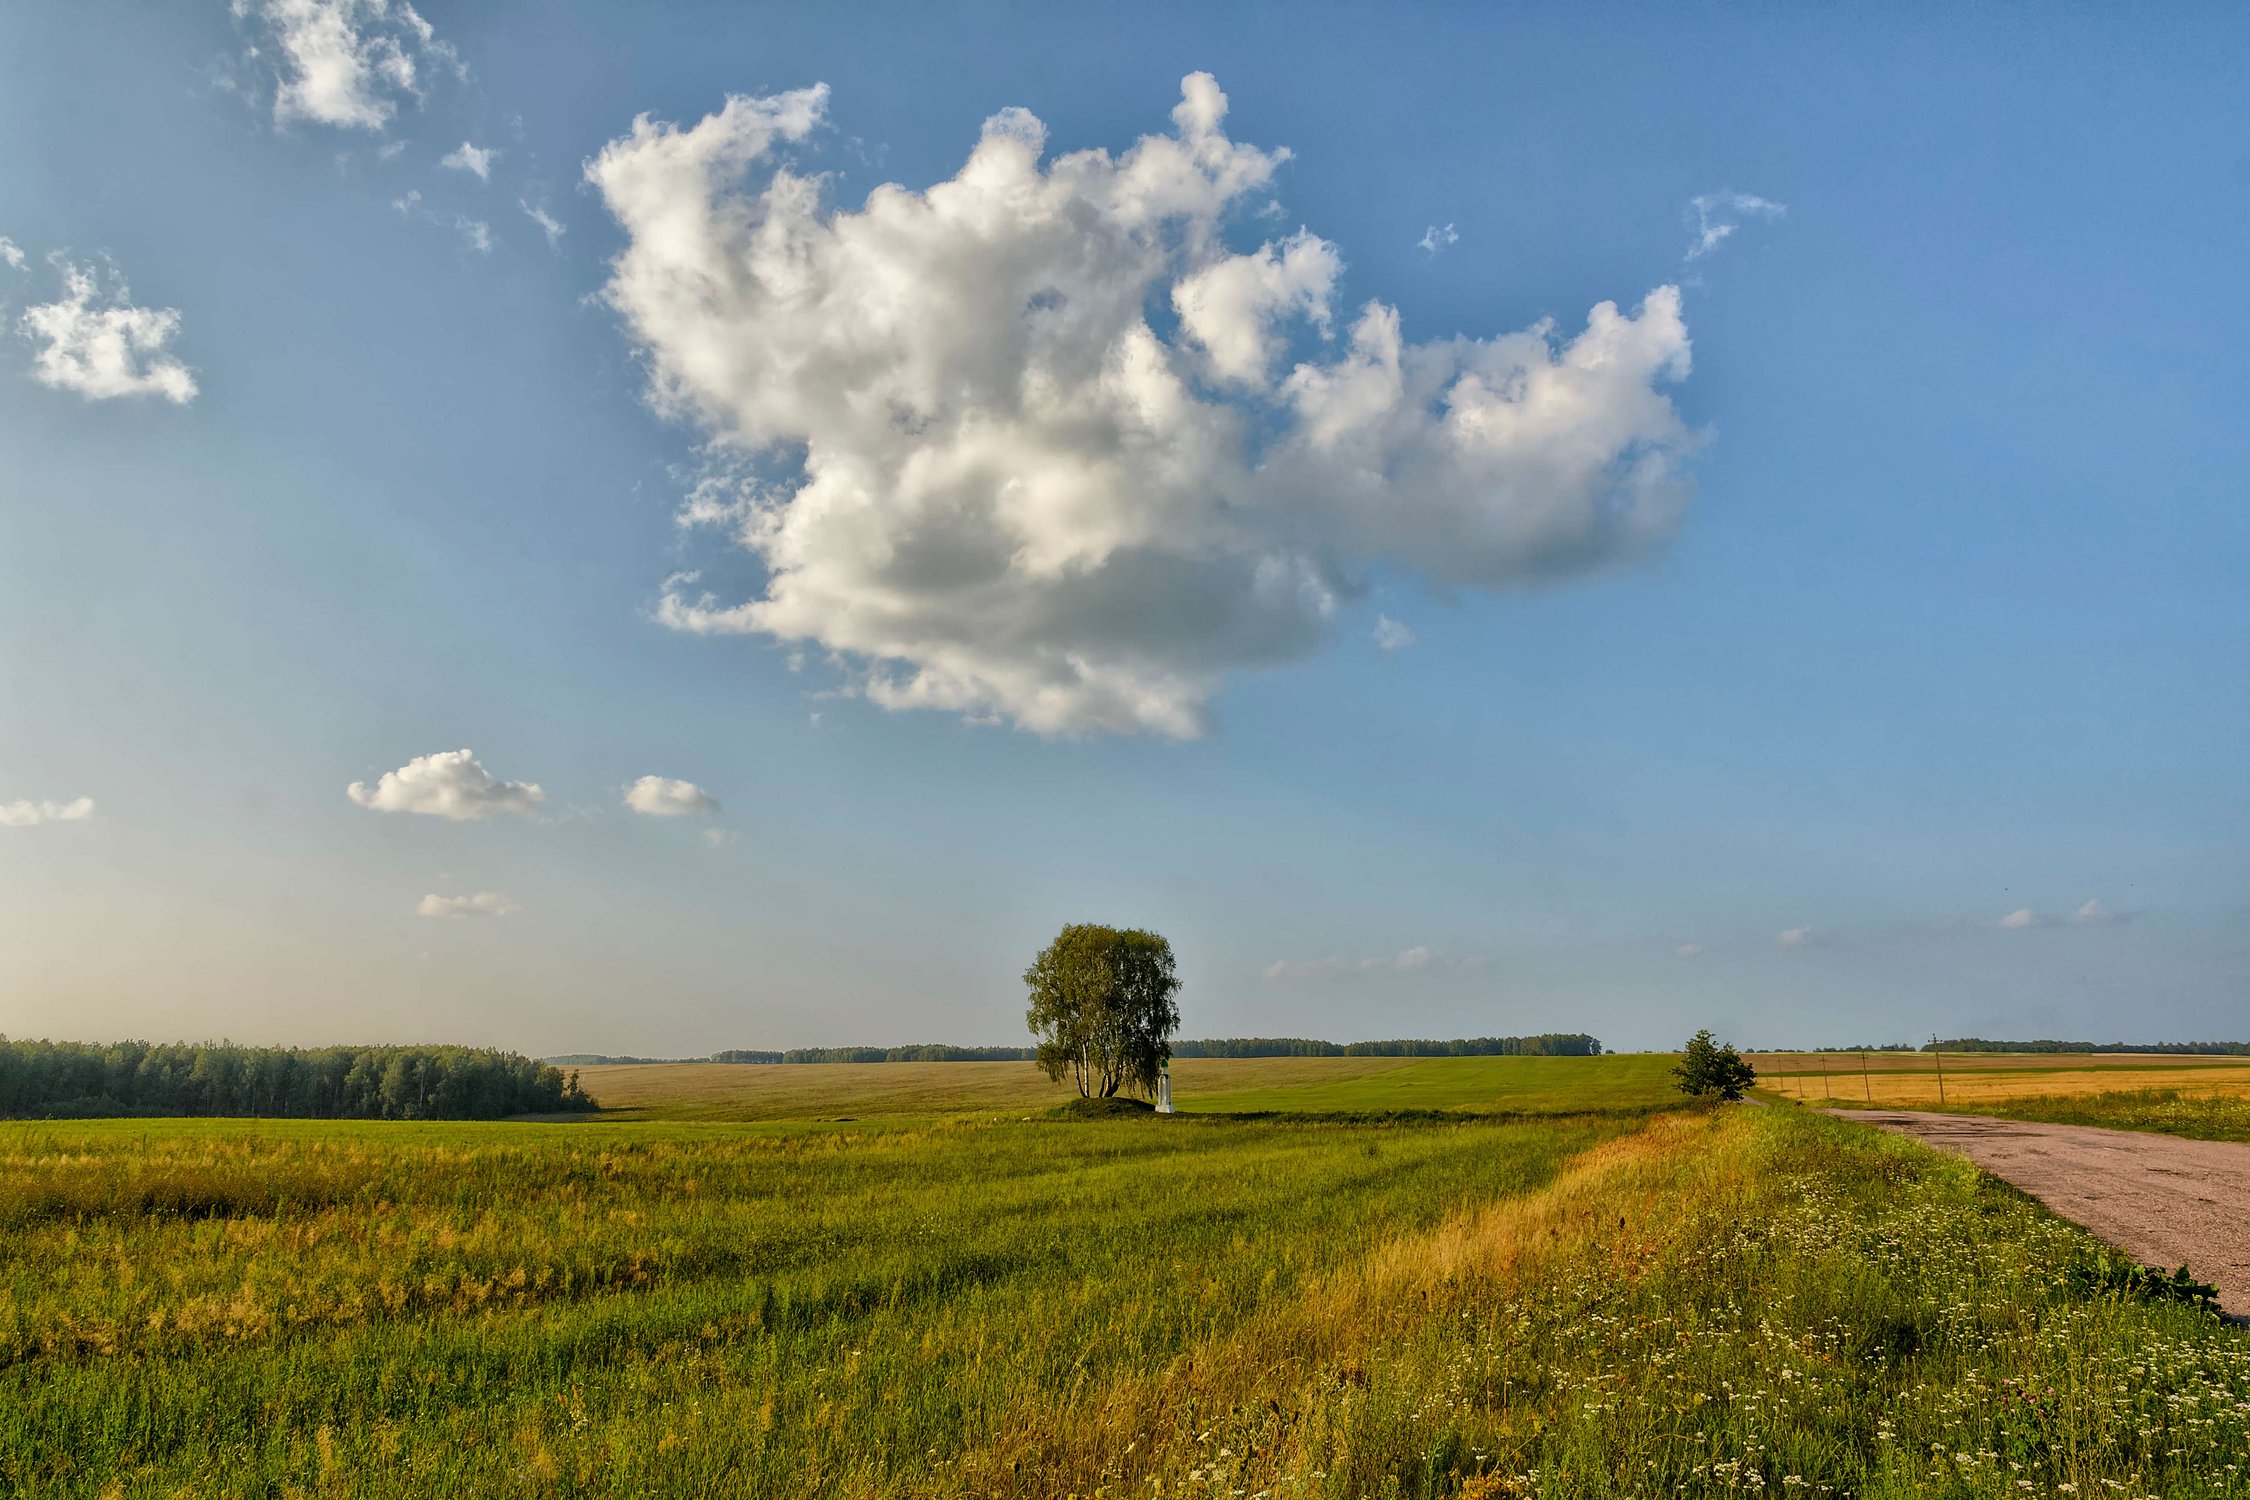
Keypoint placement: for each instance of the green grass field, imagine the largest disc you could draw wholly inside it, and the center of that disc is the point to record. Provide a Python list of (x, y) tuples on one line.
[(860, 1091), (1625, 1302)]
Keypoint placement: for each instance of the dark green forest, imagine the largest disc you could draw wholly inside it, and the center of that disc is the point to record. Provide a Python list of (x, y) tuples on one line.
[(83, 1080)]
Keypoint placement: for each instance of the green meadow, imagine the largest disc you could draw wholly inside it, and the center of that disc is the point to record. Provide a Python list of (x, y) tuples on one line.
[(1285, 1293)]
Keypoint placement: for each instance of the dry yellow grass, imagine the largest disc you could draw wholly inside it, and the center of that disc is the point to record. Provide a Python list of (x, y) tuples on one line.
[(1771, 1063), (1616, 1205)]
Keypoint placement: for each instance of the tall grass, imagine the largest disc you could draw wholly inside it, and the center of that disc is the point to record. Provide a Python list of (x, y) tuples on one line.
[(1704, 1303), (2209, 1116)]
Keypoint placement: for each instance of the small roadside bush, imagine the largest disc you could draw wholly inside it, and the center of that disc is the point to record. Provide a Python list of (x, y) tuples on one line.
[(2132, 1282), (1710, 1067)]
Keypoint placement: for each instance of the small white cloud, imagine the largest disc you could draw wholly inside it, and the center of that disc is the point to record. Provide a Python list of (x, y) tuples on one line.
[(1390, 635), (548, 224), (342, 63), (27, 814), (660, 797), (718, 838), (1434, 239), (449, 784), (468, 158), (1714, 216), (476, 233), (1688, 950), (1793, 937), (1413, 959), (10, 253), (2094, 914), (2019, 919), (482, 904), (100, 345)]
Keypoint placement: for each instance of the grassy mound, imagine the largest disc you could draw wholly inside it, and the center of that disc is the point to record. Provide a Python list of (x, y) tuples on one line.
[(1101, 1109)]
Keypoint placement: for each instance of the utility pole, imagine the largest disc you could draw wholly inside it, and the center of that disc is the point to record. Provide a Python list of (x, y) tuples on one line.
[(1863, 1079), (1939, 1053), (1825, 1091)]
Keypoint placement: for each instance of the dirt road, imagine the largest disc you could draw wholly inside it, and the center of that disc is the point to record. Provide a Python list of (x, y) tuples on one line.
[(2160, 1199)]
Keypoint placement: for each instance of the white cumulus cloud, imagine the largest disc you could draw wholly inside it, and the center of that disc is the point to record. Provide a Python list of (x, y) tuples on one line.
[(468, 158), (661, 797), (11, 253), (344, 63), (2019, 919), (1712, 217), (983, 476), (450, 784), (2094, 914), (94, 341), (27, 814), (482, 904)]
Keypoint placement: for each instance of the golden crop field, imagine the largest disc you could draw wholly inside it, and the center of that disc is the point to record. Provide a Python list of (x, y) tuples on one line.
[(1911, 1080)]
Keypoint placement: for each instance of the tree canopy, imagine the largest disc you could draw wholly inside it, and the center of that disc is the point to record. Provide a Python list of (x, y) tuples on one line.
[(1710, 1067), (78, 1079), (1102, 1008)]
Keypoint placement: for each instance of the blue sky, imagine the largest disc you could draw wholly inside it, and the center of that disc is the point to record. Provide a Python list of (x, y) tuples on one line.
[(1803, 667)]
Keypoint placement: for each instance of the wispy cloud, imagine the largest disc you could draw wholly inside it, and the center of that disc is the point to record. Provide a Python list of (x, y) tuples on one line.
[(1437, 237), (475, 233), (1794, 937), (1413, 960), (1390, 635), (11, 253), (29, 814), (1713, 217), (474, 159), (482, 904), (548, 224), (1688, 950)]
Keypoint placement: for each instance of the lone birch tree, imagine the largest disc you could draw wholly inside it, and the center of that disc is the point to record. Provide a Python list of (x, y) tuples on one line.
[(1102, 1008)]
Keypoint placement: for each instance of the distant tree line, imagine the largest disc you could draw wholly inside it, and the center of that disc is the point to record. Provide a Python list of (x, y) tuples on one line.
[(74, 1080), (1550, 1044), (2175, 1049)]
